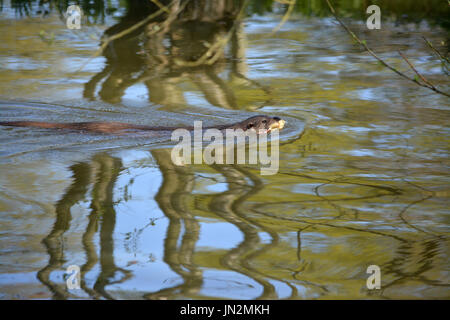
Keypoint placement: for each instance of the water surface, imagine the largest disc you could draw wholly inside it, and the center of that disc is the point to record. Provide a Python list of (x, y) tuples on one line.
[(363, 176)]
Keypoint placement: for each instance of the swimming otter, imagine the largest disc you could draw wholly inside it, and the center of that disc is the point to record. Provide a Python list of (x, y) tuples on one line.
[(261, 124)]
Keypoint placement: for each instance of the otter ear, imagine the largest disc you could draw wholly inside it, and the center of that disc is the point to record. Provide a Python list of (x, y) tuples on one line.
[(250, 125)]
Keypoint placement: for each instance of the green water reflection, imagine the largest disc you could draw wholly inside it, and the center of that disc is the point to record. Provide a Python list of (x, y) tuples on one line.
[(363, 176)]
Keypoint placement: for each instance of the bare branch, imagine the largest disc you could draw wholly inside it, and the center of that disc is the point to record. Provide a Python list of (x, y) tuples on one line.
[(384, 63), (445, 60), (414, 69)]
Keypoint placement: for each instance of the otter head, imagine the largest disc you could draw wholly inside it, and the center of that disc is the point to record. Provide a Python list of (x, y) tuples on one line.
[(261, 124)]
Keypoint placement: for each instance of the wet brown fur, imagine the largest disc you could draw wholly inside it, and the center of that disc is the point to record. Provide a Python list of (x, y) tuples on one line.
[(254, 123)]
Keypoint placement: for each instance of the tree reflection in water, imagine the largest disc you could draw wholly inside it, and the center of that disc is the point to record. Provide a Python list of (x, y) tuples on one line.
[(158, 54), (102, 172), (149, 56)]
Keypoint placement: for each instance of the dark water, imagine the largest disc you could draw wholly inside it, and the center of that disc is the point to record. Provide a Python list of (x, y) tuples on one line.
[(363, 176)]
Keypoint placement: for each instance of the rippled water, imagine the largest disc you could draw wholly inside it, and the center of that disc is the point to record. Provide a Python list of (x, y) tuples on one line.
[(363, 176)]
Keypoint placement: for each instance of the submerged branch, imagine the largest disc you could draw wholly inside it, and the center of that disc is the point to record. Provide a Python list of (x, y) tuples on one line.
[(286, 16), (116, 36), (160, 5), (214, 51)]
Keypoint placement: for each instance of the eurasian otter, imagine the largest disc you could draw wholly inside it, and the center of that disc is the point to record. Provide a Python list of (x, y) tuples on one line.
[(261, 124)]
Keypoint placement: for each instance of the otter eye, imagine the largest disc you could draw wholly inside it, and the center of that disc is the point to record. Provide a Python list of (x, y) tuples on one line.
[(250, 125), (264, 121)]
